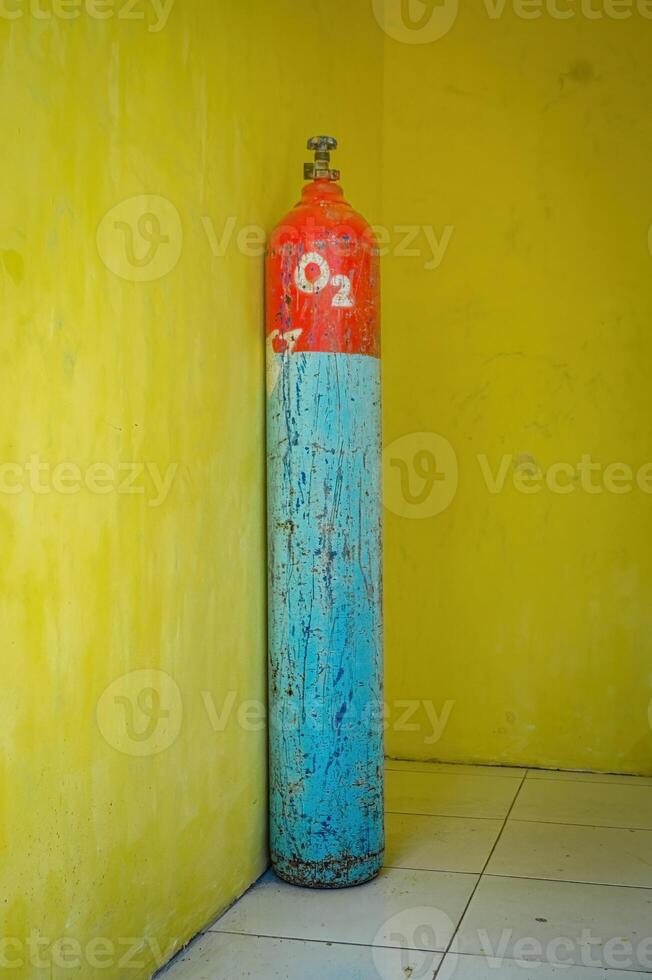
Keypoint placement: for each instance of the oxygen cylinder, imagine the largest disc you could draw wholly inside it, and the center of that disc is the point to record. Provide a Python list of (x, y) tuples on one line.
[(324, 538)]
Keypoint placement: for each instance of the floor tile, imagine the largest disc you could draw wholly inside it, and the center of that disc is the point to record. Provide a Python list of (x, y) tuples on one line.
[(457, 967), (507, 772), (570, 879), (415, 909), (569, 853), (590, 777), (589, 803), (439, 843), (589, 925), (218, 956), (449, 795)]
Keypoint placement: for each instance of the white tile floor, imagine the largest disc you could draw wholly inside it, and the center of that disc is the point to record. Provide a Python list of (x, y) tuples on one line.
[(500, 873)]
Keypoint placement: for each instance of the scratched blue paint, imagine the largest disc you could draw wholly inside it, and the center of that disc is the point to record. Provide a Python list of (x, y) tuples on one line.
[(325, 618)]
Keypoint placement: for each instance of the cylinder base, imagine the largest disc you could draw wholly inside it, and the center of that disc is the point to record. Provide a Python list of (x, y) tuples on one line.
[(337, 873)]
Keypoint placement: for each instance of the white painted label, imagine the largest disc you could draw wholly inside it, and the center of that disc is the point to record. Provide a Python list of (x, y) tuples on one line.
[(343, 297), (322, 280), (342, 284)]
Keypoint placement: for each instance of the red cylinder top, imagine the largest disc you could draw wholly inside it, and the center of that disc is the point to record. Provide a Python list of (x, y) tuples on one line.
[(323, 284)]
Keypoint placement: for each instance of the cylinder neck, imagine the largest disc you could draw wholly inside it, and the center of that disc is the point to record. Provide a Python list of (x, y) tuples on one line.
[(322, 189)]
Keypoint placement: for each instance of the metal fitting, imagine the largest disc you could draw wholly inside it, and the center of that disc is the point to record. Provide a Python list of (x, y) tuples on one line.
[(320, 168)]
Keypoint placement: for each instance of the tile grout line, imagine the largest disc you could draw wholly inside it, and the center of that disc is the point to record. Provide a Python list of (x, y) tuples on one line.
[(584, 826), (467, 775), (569, 881), (517, 877), (432, 871), (547, 823), (608, 779), (462, 775), (608, 971), (614, 781), (484, 868), (321, 942), (441, 816)]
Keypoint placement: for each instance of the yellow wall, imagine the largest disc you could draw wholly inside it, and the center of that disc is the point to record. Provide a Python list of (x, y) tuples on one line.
[(525, 617), (107, 832)]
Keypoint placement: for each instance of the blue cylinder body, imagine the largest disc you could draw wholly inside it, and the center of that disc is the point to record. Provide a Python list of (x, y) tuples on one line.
[(325, 597)]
